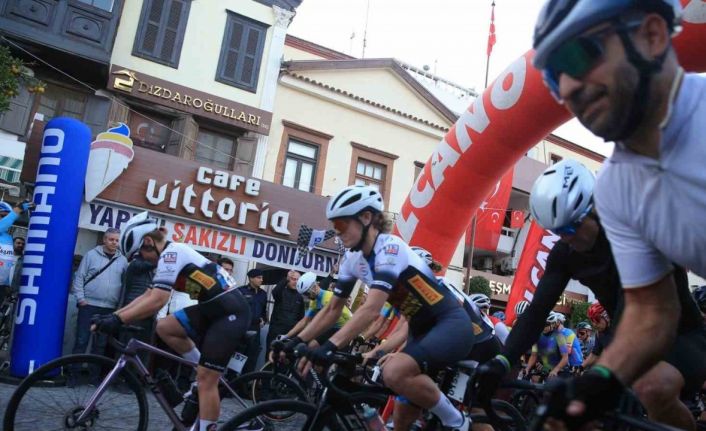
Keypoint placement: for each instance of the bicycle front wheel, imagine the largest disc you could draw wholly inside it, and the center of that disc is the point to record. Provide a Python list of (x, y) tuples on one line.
[(57, 393), (301, 416)]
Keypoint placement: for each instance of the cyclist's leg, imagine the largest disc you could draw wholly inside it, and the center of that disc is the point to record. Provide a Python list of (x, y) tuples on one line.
[(177, 330), (659, 390), (404, 414)]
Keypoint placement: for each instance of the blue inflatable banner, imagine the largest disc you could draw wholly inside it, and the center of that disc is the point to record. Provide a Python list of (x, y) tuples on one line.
[(53, 225)]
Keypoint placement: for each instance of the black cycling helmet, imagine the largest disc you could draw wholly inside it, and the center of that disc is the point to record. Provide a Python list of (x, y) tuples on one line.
[(561, 21)]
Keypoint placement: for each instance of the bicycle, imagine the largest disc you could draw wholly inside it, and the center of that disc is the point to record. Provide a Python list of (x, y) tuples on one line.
[(7, 314), (60, 394), (344, 402)]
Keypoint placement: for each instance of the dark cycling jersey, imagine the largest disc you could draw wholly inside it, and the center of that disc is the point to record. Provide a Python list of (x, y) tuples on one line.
[(595, 269), (481, 329), (219, 321)]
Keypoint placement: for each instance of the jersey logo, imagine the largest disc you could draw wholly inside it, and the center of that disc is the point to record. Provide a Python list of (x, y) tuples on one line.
[(477, 330), (430, 295), (170, 257), (393, 249), (203, 279)]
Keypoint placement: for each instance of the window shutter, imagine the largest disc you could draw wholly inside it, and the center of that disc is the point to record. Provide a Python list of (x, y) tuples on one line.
[(241, 52), (251, 54), (236, 36), (181, 140), (15, 119), (171, 30), (152, 26), (161, 30), (96, 114)]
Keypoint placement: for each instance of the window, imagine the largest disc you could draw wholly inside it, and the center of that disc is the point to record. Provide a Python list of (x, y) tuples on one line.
[(300, 166), (10, 169), (225, 152), (418, 168), (301, 158), (59, 101), (150, 131), (161, 30), (369, 173), (241, 52), (553, 158), (372, 167), (106, 5)]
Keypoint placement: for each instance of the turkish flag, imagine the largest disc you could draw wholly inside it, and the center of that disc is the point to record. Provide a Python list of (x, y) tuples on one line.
[(530, 269), (491, 215), (518, 219)]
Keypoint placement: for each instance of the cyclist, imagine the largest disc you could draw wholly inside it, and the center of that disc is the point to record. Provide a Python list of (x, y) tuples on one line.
[(583, 253), (584, 332), (612, 64), (8, 216), (318, 299), (394, 273), (601, 321), (483, 303), (551, 350), (572, 341), (217, 323), (520, 308), (500, 315)]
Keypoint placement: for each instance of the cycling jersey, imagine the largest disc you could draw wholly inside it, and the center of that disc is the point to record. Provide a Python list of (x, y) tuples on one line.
[(550, 348), (7, 249), (572, 341), (438, 325), (321, 300), (218, 322), (185, 270), (481, 328)]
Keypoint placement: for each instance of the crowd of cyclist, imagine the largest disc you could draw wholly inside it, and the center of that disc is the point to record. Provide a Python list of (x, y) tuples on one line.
[(423, 323)]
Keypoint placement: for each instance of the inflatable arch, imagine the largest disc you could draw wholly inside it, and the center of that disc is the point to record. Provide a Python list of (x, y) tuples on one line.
[(514, 113)]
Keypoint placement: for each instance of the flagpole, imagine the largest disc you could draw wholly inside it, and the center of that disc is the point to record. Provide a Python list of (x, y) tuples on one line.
[(469, 262)]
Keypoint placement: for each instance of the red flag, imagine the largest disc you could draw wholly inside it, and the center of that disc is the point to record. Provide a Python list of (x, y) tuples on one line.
[(518, 219), (491, 215), (491, 31), (530, 269)]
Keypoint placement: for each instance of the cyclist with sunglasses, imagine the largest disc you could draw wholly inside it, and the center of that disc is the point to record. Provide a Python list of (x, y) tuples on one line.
[(612, 64), (562, 201), (438, 325)]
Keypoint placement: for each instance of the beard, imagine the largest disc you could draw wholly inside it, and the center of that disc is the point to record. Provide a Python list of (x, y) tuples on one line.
[(610, 121)]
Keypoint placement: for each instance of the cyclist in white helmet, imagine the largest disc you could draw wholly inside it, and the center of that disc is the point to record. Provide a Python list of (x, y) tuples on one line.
[(562, 202), (207, 333), (438, 334), (520, 308), (483, 303)]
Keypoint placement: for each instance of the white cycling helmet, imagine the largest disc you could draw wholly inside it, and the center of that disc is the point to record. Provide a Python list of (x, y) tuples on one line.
[(305, 282), (481, 300), (352, 200), (561, 317), (561, 20), (553, 317), (424, 254), (133, 232), (521, 307), (562, 194)]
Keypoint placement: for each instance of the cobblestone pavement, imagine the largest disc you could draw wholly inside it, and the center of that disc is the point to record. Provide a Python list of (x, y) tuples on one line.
[(46, 409)]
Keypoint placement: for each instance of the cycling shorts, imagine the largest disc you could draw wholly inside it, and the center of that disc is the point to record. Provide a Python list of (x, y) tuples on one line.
[(687, 355), (217, 327), (446, 343), (485, 351)]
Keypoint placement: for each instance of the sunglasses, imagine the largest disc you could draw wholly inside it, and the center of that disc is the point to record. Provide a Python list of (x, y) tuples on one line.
[(578, 56), (340, 225), (571, 228)]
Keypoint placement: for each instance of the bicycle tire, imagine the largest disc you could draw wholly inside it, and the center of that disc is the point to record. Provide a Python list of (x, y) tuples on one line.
[(526, 402), (53, 379), (260, 413), (283, 388)]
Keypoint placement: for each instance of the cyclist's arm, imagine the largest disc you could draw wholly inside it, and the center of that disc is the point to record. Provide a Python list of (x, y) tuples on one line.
[(77, 287), (385, 326), (529, 326), (301, 324), (7, 221), (531, 362), (502, 332), (651, 313), (324, 319), (562, 363), (374, 327), (146, 305), (361, 319), (592, 358), (396, 339)]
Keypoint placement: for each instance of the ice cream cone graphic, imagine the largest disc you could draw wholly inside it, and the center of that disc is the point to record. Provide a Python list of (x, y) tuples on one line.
[(110, 154)]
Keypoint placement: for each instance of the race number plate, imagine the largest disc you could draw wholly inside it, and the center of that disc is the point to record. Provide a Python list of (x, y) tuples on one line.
[(237, 362), (458, 386)]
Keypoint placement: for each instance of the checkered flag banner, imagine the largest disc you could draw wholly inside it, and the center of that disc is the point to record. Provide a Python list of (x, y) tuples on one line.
[(310, 238)]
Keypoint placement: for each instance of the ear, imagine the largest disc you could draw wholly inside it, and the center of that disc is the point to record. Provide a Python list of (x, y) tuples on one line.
[(163, 230), (655, 32)]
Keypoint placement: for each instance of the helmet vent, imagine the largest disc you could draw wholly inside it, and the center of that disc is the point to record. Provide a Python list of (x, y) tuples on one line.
[(578, 202), (554, 208), (355, 198), (553, 171), (573, 183)]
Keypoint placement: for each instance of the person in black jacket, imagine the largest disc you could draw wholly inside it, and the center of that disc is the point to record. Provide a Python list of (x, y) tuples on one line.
[(138, 278), (288, 308)]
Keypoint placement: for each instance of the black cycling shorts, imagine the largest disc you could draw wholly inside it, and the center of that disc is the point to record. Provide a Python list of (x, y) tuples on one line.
[(485, 351), (687, 355), (217, 327), (450, 340)]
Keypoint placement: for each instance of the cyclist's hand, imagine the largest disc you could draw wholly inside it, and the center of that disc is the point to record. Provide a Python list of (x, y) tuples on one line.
[(288, 347), (374, 354), (322, 354), (382, 361), (590, 395), (108, 324), (489, 376), (552, 374)]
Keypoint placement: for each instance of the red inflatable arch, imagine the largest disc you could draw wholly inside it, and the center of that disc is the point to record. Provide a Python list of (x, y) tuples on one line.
[(513, 114)]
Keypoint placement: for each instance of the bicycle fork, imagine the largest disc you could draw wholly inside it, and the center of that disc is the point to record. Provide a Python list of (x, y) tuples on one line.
[(88, 409)]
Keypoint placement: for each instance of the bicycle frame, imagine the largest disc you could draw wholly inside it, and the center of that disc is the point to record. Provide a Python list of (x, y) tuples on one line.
[(129, 356)]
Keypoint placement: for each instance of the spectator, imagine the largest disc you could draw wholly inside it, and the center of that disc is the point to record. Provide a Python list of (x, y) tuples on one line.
[(257, 298), (8, 216), (138, 278), (98, 285), (226, 264), (288, 308), (19, 250)]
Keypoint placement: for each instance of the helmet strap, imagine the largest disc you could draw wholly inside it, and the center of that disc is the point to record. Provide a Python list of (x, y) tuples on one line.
[(363, 235), (646, 70)]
